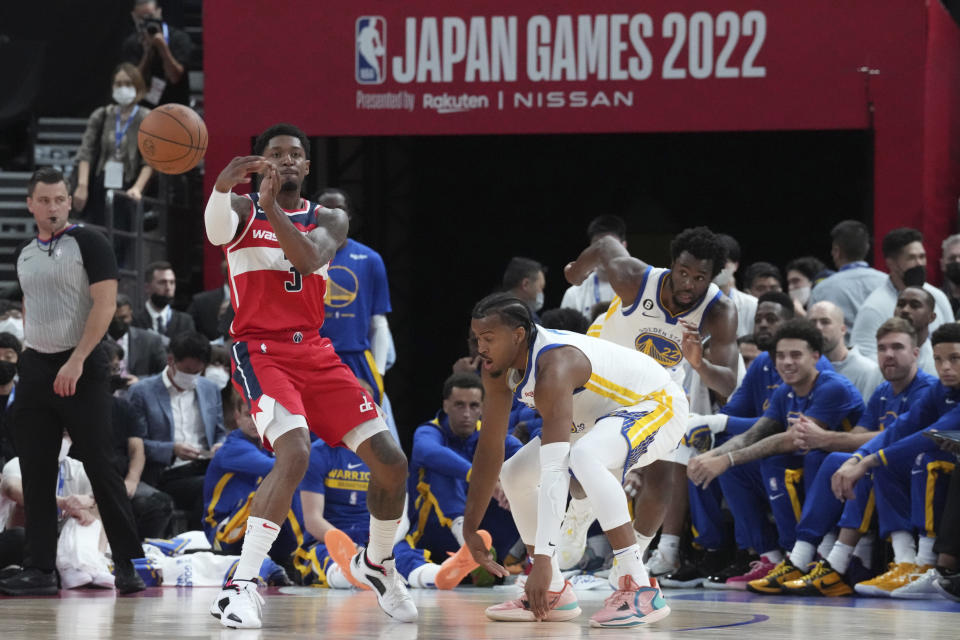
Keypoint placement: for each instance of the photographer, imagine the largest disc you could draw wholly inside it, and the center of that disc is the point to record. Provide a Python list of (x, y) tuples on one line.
[(161, 52)]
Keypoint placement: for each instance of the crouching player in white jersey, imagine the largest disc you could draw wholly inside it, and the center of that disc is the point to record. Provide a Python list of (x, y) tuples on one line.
[(605, 410), (663, 313)]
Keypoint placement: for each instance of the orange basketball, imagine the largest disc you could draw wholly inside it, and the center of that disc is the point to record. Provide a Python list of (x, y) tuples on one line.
[(172, 138)]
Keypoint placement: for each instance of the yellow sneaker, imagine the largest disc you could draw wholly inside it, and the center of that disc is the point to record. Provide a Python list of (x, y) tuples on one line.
[(773, 581), (899, 574), (823, 580)]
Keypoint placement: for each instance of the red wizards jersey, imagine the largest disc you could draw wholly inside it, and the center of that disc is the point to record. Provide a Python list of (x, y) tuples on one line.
[(269, 296)]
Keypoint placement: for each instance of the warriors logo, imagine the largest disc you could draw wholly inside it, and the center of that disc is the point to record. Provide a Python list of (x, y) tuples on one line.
[(663, 350), (342, 287)]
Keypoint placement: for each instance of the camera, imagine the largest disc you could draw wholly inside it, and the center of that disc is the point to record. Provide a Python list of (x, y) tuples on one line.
[(151, 25)]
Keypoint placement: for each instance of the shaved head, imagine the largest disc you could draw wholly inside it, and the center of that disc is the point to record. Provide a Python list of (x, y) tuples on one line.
[(828, 318)]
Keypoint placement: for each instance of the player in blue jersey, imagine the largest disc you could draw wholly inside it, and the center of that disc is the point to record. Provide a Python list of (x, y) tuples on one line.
[(910, 474), (440, 466), (334, 497), (231, 481), (897, 352), (357, 302), (825, 397)]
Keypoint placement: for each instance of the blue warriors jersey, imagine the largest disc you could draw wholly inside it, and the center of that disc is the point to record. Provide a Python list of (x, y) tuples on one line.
[(343, 478), (885, 406), (832, 400), (752, 397), (232, 476), (356, 291)]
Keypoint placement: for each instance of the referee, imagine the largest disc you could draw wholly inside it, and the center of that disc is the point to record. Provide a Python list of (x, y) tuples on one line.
[(69, 279)]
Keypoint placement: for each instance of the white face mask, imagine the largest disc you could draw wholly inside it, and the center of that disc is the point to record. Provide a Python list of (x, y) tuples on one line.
[(218, 376), (801, 294), (725, 276), (14, 326), (185, 381), (538, 303), (124, 95)]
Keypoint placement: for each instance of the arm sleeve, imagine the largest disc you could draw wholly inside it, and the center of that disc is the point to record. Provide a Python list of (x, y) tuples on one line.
[(219, 218), (380, 341), (836, 403), (90, 143), (317, 470), (241, 456), (97, 255), (430, 453)]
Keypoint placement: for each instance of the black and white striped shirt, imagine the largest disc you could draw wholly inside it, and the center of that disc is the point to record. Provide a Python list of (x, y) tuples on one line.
[(56, 278)]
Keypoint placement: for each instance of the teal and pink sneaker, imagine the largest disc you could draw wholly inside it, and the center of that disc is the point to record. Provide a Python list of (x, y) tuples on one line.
[(563, 607), (631, 605)]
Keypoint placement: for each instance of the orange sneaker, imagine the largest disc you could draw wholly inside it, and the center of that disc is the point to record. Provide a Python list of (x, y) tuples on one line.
[(342, 549), (459, 564)]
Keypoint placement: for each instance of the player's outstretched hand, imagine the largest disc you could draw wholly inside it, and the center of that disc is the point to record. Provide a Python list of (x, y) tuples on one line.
[(238, 171), (691, 344), (537, 587), (482, 555)]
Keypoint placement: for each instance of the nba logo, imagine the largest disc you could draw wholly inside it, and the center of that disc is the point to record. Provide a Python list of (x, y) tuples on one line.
[(371, 49)]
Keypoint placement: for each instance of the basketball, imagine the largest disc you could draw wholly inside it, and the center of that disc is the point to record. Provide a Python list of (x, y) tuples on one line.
[(172, 138)]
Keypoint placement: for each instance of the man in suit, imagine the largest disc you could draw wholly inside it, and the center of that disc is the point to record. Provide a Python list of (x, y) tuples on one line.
[(207, 308), (184, 417), (144, 351), (157, 314)]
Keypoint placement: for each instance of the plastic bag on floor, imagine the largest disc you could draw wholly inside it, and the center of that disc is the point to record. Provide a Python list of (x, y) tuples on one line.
[(78, 549)]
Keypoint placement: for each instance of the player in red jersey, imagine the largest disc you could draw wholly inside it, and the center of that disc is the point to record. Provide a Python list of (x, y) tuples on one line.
[(277, 246)]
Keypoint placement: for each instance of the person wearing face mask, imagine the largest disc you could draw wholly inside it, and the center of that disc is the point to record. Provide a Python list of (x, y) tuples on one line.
[(11, 319), (108, 157), (9, 354), (802, 275), (745, 303), (144, 351), (184, 416), (950, 265), (157, 314), (907, 263), (526, 279), (161, 52)]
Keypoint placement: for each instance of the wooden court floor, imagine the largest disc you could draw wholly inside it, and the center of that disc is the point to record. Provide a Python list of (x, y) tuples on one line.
[(182, 614)]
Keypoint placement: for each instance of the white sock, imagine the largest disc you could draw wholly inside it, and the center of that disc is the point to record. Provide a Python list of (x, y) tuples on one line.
[(925, 554), (839, 557), (823, 549), (903, 549), (669, 547), (456, 528), (773, 556), (257, 541), (556, 579), (864, 551), (643, 542), (381, 539), (802, 554), (424, 576), (335, 577), (629, 563)]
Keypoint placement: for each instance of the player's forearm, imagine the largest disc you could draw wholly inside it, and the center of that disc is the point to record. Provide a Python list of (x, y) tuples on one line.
[(761, 429), (848, 442), (720, 379), (305, 255), (137, 459), (600, 253), (771, 446)]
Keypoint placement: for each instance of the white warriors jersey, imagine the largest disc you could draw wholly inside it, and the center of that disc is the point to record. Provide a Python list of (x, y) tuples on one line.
[(620, 377), (647, 325)]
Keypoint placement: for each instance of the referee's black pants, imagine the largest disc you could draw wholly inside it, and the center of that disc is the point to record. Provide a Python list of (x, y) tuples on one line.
[(39, 418)]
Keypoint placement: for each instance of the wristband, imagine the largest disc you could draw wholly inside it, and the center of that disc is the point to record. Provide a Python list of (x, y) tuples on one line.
[(730, 456)]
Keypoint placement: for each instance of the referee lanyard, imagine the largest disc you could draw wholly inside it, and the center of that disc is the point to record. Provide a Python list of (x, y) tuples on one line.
[(119, 133)]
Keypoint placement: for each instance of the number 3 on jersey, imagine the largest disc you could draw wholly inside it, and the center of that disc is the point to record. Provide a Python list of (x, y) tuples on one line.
[(295, 284)]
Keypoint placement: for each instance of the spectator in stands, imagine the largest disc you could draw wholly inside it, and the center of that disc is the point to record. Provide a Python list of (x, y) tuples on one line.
[(11, 318), (950, 266), (854, 280), (916, 306), (109, 157), (745, 303), (144, 351), (207, 308), (152, 509), (184, 417), (761, 278), (440, 465), (161, 53), (748, 349), (525, 279), (907, 263), (858, 369), (595, 288), (802, 274), (9, 355), (157, 314)]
